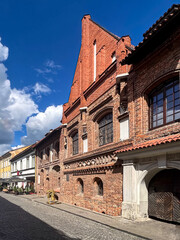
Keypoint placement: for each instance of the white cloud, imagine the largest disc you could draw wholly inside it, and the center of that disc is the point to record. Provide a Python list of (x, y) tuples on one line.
[(15, 106), (37, 126), (4, 51), (49, 67), (17, 147), (43, 71), (41, 88), (51, 64)]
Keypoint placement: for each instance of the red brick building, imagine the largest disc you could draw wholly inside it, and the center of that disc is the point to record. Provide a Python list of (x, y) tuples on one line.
[(91, 124), (120, 132), (151, 167), (47, 162)]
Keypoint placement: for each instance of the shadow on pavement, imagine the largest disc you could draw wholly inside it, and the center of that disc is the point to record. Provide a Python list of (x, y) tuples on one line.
[(15, 223)]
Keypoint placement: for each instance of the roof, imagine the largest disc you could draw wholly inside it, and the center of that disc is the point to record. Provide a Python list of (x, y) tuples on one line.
[(110, 33), (47, 136), (24, 152), (168, 20), (151, 143), (13, 152)]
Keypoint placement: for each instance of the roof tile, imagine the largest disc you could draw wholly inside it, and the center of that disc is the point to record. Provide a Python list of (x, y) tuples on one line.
[(151, 143)]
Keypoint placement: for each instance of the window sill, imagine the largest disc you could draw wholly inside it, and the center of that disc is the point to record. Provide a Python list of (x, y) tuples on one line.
[(164, 126)]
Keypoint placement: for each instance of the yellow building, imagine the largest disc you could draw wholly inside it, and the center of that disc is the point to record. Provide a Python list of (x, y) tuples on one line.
[(5, 165)]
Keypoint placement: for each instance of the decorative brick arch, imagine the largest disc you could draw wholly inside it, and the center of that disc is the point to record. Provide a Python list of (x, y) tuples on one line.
[(80, 186), (101, 113), (98, 186)]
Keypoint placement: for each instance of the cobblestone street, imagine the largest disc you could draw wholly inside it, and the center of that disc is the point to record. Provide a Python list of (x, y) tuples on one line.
[(23, 219)]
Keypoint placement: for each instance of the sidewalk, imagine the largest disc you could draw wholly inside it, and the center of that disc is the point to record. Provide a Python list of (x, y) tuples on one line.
[(148, 229)]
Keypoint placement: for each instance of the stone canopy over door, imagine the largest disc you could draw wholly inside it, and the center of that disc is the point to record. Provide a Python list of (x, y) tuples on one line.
[(147, 171), (164, 195)]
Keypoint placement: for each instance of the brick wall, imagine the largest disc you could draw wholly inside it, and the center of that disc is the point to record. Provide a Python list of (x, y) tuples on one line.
[(157, 67), (109, 203)]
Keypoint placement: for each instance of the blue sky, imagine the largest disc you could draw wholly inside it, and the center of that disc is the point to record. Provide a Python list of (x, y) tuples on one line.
[(43, 38)]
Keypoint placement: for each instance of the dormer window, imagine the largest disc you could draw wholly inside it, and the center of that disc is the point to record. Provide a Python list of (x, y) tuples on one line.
[(165, 104)]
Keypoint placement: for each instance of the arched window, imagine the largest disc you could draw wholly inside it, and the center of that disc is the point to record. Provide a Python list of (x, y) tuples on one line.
[(56, 148), (80, 185), (47, 153), (106, 129), (165, 104), (75, 143), (56, 168), (98, 186)]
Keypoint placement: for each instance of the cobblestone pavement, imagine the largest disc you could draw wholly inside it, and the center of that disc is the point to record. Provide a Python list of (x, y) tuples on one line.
[(22, 219)]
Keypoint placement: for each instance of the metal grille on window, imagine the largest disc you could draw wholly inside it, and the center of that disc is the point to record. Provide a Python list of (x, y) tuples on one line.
[(106, 129), (75, 143), (165, 104)]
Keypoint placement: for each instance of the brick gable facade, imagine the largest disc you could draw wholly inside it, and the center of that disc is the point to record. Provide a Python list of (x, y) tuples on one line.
[(89, 101)]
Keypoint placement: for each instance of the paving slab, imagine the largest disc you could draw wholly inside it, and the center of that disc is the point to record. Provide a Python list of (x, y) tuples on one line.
[(148, 229)]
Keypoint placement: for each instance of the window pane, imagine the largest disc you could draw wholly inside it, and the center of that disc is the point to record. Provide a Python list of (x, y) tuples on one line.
[(177, 108), (169, 91), (177, 101), (169, 105), (169, 112), (177, 115), (154, 107), (177, 95), (169, 119), (160, 103), (154, 124), (177, 87), (159, 116), (159, 122), (159, 109), (170, 98), (160, 96)]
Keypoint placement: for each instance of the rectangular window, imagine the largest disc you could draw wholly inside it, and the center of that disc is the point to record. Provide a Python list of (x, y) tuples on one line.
[(124, 129), (27, 162), (33, 161), (85, 144), (15, 166), (67, 177), (21, 165), (106, 129), (75, 144)]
